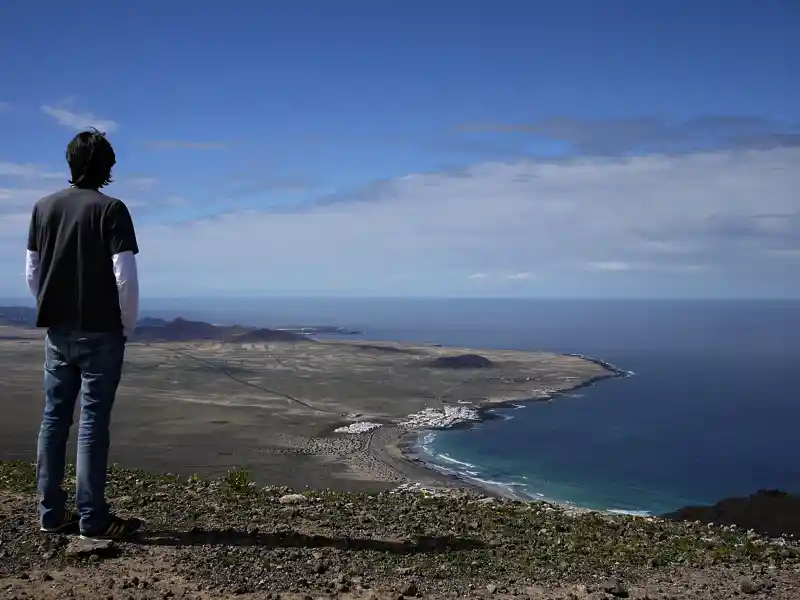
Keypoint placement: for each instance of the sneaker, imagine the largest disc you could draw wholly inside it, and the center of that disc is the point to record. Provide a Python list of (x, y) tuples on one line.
[(116, 529), (69, 522)]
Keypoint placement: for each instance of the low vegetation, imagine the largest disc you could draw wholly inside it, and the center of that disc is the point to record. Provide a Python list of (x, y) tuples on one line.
[(234, 537)]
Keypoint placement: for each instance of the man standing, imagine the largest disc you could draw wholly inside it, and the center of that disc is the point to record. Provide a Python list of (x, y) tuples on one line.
[(81, 268)]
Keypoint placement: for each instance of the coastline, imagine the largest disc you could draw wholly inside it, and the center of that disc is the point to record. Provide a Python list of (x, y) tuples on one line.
[(215, 421), (404, 445)]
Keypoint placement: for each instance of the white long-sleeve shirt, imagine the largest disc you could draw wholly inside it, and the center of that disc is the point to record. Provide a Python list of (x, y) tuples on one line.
[(125, 273)]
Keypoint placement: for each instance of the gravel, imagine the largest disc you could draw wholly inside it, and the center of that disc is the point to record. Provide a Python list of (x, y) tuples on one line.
[(230, 537)]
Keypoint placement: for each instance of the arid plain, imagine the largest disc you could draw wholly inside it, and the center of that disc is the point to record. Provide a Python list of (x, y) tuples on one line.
[(271, 408)]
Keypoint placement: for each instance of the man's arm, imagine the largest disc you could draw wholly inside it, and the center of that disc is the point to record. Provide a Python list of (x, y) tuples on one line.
[(32, 257), (32, 272), (126, 274), (123, 247)]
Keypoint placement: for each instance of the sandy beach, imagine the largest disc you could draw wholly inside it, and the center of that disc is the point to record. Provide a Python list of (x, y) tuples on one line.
[(273, 409)]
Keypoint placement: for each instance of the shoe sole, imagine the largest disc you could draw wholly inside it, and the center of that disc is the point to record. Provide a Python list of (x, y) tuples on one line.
[(120, 537), (95, 538)]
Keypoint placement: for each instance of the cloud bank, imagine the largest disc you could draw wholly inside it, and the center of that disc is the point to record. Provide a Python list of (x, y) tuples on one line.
[(79, 120), (651, 224), (544, 225), (188, 145), (618, 136)]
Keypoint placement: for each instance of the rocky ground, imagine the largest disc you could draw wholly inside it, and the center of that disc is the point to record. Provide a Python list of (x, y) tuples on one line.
[(228, 538)]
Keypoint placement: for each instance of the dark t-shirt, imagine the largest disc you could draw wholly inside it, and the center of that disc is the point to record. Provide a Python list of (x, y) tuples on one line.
[(76, 232)]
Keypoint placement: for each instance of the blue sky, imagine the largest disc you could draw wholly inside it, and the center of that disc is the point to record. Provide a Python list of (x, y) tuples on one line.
[(506, 148)]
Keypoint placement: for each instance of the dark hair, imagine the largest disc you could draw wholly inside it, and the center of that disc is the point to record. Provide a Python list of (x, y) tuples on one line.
[(90, 158)]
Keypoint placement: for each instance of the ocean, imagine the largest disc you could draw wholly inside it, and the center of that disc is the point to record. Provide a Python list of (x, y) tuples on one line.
[(711, 410)]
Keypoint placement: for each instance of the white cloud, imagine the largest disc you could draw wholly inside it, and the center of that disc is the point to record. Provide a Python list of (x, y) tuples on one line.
[(79, 120), (520, 276), (13, 235), (787, 253), (610, 265), (141, 182), (188, 145), (676, 214), (27, 171), (13, 199), (580, 225)]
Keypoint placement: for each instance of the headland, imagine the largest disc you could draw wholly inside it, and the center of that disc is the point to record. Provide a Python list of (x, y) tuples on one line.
[(290, 408)]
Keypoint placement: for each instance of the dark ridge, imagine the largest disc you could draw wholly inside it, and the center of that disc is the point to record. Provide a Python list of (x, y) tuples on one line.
[(462, 361), (179, 330), (151, 322), (182, 330), (769, 512), (389, 349), (18, 316), (269, 335), (153, 329)]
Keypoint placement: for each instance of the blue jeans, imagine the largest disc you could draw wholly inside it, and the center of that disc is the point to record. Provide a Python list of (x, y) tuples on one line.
[(88, 365)]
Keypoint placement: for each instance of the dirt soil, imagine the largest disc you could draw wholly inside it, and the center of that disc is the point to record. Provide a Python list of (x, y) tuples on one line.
[(229, 538)]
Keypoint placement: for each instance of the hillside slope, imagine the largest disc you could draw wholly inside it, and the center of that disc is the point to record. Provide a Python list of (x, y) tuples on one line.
[(227, 538)]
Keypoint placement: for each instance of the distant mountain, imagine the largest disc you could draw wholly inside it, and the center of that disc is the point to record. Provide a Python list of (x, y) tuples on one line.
[(25, 316), (18, 316), (182, 330), (151, 322), (269, 335), (151, 329)]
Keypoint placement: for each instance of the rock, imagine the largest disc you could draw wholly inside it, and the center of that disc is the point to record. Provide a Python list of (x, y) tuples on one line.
[(491, 588), (615, 588), (80, 547), (293, 499), (746, 586), (581, 591), (409, 589), (320, 567)]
